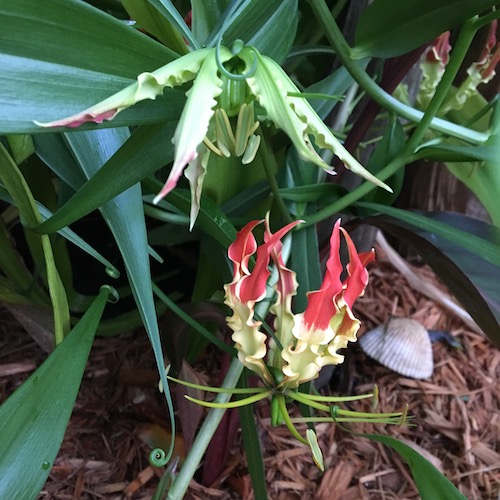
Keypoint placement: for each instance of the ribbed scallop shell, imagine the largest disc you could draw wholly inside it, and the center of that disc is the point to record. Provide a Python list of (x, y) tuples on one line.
[(403, 345)]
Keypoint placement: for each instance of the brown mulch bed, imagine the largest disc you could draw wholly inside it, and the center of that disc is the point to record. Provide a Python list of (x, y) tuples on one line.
[(456, 412)]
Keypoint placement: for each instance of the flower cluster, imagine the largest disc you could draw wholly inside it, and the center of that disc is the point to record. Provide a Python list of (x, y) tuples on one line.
[(226, 84), (305, 342), (434, 65)]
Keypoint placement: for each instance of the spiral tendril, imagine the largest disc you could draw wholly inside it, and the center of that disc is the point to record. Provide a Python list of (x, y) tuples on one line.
[(158, 458), (113, 295), (236, 48), (112, 272), (228, 74)]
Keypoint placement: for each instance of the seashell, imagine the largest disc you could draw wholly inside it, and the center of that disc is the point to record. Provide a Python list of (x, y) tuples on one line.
[(403, 345)]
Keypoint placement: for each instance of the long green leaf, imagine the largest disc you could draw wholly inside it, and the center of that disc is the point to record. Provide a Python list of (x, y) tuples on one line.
[(21, 281), (252, 447), (484, 179), (62, 56), (489, 152), (15, 183), (389, 28), (167, 9), (431, 484), (392, 143), (471, 279), (488, 250), (207, 14), (211, 218), (33, 419), (149, 19), (268, 25), (148, 149), (125, 217)]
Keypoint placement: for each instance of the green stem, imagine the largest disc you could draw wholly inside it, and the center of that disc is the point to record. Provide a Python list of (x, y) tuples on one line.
[(270, 168), (302, 398), (335, 37), (247, 390), (204, 436), (360, 414), (209, 426), (319, 420), (337, 399), (288, 421), (233, 404), (459, 51)]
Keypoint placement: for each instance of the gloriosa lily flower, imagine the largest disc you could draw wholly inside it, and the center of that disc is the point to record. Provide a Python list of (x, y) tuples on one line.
[(434, 65), (303, 342), (216, 91)]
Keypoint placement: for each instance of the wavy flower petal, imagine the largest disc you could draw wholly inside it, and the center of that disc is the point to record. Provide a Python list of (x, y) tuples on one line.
[(148, 86), (254, 284), (311, 124), (195, 119), (303, 364), (357, 279), (327, 324), (271, 94), (249, 340), (247, 288), (286, 289), (321, 305)]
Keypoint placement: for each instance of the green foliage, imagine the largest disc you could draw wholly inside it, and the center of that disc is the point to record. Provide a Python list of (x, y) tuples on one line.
[(33, 420), (64, 56), (390, 28), (61, 57), (431, 484), (471, 278)]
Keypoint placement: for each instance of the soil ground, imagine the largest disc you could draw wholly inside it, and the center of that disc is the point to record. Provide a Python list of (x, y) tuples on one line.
[(119, 413)]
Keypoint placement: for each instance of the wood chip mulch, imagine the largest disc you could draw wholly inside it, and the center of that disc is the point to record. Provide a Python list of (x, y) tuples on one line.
[(456, 415)]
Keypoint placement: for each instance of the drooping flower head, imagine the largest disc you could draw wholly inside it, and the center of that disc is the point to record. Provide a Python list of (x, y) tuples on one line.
[(303, 342), (434, 65), (215, 97)]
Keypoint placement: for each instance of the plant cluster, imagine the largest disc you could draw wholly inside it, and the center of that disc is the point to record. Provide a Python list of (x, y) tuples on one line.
[(201, 118)]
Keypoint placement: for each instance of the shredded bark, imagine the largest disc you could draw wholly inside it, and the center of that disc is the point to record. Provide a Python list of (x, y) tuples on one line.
[(119, 415)]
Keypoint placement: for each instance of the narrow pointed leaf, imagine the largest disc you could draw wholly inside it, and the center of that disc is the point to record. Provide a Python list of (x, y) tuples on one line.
[(268, 25), (253, 450), (148, 18), (33, 419), (207, 14), (167, 9), (148, 149), (486, 249), (60, 57), (23, 199), (389, 28), (472, 279), (431, 484), (125, 217)]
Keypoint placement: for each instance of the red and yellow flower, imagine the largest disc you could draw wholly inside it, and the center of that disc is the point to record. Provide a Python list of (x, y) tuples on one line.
[(303, 342)]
